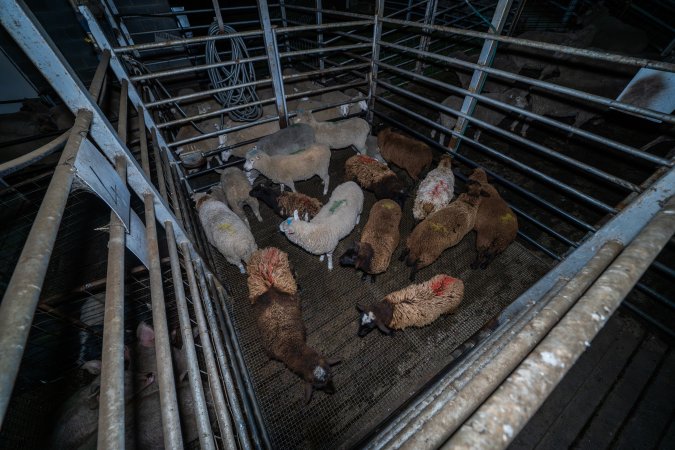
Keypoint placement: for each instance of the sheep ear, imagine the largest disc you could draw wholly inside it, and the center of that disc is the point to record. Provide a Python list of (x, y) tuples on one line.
[(484, 193), (383, 328), (309, 389), (360, 308), (295, 215)]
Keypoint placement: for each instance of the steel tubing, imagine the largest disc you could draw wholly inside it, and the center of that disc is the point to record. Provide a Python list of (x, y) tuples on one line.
[(145, 158), (158, 165), (111, 423), (496, 423), (212, 319), (435, 424), (194, 375), (167, 386), (23, 291), (221, 407), (190, 69), (185, 41)]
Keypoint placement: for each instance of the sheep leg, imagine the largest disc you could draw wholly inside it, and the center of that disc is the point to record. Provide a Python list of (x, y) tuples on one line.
[(321, 258), (241, 268), (291, 185), (413, 272), (325, 180), (372, 279), (238, 209), (477, 134), (364, 276), (358, 219), (306, 217), (476, 263), (329, 257), (404, 253), (488, 259), (255, 207)]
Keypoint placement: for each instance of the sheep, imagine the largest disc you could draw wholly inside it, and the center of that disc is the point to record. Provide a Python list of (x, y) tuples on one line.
[(283, 142), (407, 153), (546, 104), (442, 230), (436, 190), (285, 169), (373, 150), (284, 203), (225, 230), (496, 225), (376, 177), (417, 305), (486, 113), (379, 239), (338, 134), (276, 307), (335, 221), (492, 84), (251, 133), (234, 184)]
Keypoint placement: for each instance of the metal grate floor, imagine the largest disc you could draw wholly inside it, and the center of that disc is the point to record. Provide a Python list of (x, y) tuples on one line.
[(377, 373)]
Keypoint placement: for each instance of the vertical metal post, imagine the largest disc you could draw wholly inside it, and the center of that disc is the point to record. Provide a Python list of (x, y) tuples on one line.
[(123, 117), (485, 59), (194, 376), (158, 164), (167, 386), (284, 23), (274, 63), (23, 292), (570, 11), (222, 411), (429, 18), (409, 10), (319, 33), (375, 55), (145, 158), (111, 421), (222, 360), (172, 187), (219, 16)]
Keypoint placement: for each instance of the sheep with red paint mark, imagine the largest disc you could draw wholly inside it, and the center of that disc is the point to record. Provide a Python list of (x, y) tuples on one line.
[(417, 305), (436, 190)]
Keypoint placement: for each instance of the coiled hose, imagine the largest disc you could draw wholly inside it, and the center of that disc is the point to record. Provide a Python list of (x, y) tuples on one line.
[(233, 75)]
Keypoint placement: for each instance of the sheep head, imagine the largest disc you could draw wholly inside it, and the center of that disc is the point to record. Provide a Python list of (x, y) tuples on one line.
[(304, 117), (253, 159), (317, 373), (288, 226), (478, 175), (267, 195), (369, 318), (199, 198)]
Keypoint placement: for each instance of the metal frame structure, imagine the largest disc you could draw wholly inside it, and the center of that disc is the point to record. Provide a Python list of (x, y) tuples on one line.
[(431, 418)]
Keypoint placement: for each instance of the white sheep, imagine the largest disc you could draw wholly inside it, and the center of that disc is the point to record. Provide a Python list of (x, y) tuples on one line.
[(236, 188), (225, 230), (285, 169), (436, 190), (334, 222), (340, 134)]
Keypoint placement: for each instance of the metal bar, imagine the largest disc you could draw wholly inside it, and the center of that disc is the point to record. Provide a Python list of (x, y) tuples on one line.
[(23, 291), (166, 168), (123, 117), (194, 375), (543, 84), (167, 386), (145, 158), (284, 21), (515, 137), (184, 41), (97, 81), (460, 402), (205, 93), (498, 178), (158, 164), (319, 34), (655, 295), (219, 17), (16, 164), (111, 424), (230, 335), (602, 140), (273, 62), (221, 408), (547, 179), (185, 12), (487, 54), (190, 69), (311, 51), (237, 415), (331, 12), (664, 269), (429, 17), (504, 414), (375, 55), (647, 318)]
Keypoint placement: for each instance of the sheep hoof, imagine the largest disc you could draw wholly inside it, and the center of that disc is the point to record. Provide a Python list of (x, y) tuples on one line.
[(358, 219), (241, 268), (475, 265), (329, 257), (306, 217), (321, 258), (364, 276)]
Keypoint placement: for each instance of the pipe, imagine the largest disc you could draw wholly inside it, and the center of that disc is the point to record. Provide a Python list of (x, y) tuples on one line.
[(237, 415), (190, 69), (185, 41), (221, 408), (273, 63), (158, 165), (506, 412), (173, 197), (205, 93), (23, 291), (375, 52), (111, 423), (436, 423), (206, 441), (145, 159), (167, 386)]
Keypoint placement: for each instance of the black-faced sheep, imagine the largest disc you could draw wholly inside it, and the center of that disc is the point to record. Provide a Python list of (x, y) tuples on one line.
[(379, 239), (376, 177), (442, 230), (225, 230), (496, 225), (234, 184), (284, 203), (407, 153), (436, 190), (276, 306), (286, 169), (417, 305), (334, 222), (340, 134)]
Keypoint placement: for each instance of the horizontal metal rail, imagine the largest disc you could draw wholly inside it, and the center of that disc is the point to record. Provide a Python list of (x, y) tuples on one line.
[(205, 93), (190, 69), (185, 41)]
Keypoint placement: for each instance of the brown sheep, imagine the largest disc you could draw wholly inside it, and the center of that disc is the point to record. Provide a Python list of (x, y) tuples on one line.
[(442, 230), (285, 203), (378, 241), (496, 225), (407, 153), (276, 307), (417, 305), (376, 177)]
